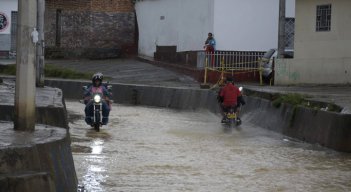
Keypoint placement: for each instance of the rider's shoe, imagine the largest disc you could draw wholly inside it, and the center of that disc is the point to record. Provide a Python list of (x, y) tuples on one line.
[(224, 120), (88, 120), (104, 120), (238, 121)]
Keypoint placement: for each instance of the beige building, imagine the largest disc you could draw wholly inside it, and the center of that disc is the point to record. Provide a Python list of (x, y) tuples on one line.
[(322, 44)]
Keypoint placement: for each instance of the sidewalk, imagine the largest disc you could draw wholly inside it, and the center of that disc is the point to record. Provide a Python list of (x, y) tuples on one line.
[(7, 61), (132, 71), (129, 71)]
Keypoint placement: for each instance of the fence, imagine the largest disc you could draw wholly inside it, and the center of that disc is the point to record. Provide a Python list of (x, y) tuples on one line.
[(230, 62)]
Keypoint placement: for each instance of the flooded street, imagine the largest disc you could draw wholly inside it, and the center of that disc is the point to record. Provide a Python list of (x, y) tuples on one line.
[(158, 150)]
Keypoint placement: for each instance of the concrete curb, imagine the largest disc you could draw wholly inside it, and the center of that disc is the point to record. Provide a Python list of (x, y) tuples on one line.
[(55, 116), (38, 161), (41, 160), (29, 181), (178, 98), (50, 105), (327, 129)]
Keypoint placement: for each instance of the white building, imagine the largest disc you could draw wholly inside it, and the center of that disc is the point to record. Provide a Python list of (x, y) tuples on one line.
[(322, 44), (237, 25), (8, 10)]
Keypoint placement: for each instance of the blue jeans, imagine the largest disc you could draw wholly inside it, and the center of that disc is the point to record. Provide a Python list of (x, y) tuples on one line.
[(89, 112)]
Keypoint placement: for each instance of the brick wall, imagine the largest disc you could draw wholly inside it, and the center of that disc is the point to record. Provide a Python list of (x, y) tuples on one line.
[(88, 25), (77, 5), (112, 6)]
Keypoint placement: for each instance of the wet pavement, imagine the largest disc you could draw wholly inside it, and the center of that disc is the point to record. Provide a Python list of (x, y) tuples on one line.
[(129, 71), (158, 149)]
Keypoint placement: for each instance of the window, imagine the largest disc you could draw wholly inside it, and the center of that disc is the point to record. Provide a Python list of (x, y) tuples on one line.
[(323, 17), (289, 32), (58, 27)]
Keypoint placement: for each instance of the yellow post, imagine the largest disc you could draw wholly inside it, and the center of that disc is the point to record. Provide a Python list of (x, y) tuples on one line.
[(260, 71), (223, 68), (206, 64)]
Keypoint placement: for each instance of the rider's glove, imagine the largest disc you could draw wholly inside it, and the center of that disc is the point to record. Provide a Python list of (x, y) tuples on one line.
[(220, 99), (241, 100)]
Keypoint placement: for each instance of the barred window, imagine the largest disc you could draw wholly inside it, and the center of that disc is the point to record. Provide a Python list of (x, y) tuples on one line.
[(323, 17)]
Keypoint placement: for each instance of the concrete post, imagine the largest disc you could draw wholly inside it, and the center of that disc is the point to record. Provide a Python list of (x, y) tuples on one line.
[(281, 38), (25, 74), (40, 46)]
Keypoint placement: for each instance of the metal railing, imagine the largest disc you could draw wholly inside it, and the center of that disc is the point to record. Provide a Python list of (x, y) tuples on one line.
[(230, 62), (233, 60)]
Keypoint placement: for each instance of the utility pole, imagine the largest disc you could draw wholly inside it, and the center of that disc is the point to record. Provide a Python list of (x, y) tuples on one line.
[(40, 75), (25, 74), (281, 33)]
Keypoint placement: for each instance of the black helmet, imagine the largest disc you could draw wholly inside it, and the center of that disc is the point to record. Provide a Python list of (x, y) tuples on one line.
[(230, 79), (97, 76)]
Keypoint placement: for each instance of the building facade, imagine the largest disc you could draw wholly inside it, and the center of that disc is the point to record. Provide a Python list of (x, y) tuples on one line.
[(89, 28), (322, 44), (81, 28), (237, 25)]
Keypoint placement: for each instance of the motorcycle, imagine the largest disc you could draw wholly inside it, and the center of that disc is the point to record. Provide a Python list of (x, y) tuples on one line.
[(232, 114), (97, 102)]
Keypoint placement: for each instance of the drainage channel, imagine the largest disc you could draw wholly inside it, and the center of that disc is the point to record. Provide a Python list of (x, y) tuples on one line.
[(158, 149)]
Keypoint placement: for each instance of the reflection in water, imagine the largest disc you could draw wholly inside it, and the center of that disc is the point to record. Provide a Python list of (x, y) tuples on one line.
[(97, 146), (153, 149)]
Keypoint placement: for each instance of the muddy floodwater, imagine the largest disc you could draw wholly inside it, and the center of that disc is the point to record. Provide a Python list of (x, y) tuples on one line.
[(162, 150)]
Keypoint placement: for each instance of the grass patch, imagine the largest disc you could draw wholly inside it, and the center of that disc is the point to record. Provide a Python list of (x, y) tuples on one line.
[(50, 71), (8, 69), (53, 71), (295, 100), (291, 98)]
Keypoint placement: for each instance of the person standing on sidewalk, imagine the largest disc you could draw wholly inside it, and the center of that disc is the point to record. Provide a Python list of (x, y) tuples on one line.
[(210, 47)]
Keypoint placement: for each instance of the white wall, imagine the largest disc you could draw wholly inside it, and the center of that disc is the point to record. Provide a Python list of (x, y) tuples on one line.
[(248, 25), (320, 57), (313, 71), (6, 6), (333, 44), (185, 25), (290, 8)]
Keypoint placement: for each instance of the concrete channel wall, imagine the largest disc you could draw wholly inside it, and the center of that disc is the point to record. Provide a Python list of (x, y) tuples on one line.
[(55, 116), (42, 160), (329, 129)]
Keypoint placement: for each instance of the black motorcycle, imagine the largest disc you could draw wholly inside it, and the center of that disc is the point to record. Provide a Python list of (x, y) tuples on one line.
[(97, 99)]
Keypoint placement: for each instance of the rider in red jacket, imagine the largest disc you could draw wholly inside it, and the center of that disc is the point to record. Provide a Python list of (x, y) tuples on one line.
[(229, 95)]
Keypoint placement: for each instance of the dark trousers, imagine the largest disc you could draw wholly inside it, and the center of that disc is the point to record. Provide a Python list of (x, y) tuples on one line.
[(89, 112)]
